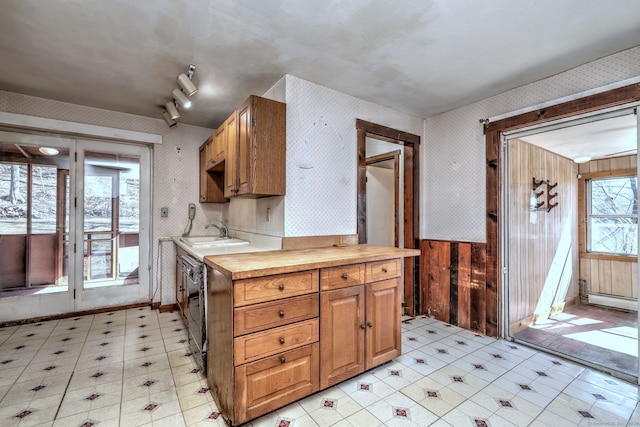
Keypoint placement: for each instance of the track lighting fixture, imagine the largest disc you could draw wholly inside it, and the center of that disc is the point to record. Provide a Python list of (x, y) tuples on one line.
[(181, 98), (184, 80), (167, 119), (172, 110)]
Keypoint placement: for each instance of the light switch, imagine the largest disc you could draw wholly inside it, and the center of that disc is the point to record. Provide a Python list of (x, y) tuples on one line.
[(164, 212)]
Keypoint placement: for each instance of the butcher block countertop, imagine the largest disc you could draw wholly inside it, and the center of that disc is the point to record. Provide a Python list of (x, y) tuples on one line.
[(256, 264)]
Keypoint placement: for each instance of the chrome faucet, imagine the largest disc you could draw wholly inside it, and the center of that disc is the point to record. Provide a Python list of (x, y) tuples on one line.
[(223, 230)]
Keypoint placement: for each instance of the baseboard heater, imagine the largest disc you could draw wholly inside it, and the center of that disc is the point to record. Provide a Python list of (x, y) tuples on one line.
[(615, 302)]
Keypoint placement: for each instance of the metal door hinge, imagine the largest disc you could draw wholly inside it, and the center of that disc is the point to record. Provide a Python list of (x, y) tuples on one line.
[(253, 122)]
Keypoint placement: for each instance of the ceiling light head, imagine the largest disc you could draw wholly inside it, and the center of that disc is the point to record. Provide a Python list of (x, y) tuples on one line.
[(167, 119), (172, 110), (179, 96), (48, 151), (582, 159), (186, 84)]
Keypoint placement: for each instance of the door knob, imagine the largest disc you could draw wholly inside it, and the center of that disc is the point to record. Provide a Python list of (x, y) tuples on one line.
[(281, 340), (281, 286), (283, 360), (362, 326), (345, 276), (369, 324), (384, 269), (281, 313)]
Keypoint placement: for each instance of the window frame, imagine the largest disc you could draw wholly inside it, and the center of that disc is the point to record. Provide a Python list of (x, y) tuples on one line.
[(584, 202)]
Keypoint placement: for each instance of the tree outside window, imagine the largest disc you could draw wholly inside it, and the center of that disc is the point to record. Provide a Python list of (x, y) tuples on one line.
[(612, 215)]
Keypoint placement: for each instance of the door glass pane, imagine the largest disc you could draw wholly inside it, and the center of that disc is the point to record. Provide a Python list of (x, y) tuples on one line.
[(111, 219), (31, 242)]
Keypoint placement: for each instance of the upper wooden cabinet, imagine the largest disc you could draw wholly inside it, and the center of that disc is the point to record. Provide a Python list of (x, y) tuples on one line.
[(258, 169), (245, 156)]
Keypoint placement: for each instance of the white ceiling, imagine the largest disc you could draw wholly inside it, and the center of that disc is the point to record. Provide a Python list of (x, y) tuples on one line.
[(421, 57), (598, 139)]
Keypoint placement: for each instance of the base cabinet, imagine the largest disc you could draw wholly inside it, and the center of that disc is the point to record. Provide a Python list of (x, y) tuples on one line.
[(277, 338)]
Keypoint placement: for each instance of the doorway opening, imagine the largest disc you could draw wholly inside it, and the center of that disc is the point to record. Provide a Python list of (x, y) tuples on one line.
[(385, 140), (384, 191), (571, 203)]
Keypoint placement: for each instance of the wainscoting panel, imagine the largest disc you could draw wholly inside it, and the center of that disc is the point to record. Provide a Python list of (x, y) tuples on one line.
[(453, 282)]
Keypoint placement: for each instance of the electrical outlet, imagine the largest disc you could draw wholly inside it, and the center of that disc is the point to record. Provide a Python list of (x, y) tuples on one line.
[(164, 212)]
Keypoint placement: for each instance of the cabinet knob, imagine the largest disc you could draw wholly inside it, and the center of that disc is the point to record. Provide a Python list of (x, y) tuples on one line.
[(281, 340), (281, 313), (384, 269), (369, 324), (345, 276), (281, 286), (283, 360), (362, 326)]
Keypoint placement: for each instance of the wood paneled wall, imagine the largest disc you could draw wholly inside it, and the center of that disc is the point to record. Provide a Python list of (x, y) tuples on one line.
[(542, 244), (605, 274), (453, 283)]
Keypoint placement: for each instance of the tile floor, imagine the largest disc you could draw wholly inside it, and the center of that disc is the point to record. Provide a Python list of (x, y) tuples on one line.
[(133, 368), (597, 335)]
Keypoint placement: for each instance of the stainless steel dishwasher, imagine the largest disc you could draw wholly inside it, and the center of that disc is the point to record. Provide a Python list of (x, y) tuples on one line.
[(196, 313)]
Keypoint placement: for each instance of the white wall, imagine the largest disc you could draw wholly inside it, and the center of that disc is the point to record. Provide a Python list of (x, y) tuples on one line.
[(322, 162), (175, 182), (452, 171)]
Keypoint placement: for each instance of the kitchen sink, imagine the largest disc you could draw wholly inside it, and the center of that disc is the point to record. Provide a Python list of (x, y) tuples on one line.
[(207, 241)]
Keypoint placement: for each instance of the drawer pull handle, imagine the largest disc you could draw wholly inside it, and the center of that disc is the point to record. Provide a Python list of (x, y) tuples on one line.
[(281, 340), (369, 324), (345, 276), (384, 269), (281, 313), (283, 360), (281, 286), (362, 326)]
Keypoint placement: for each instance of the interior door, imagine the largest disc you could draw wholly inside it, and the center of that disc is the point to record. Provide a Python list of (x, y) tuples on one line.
[(112, 228)]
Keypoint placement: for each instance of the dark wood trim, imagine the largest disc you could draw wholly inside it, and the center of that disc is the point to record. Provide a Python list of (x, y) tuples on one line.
[(411, 143), (74, 314), (598, 101), (493, 136), (393, 135)]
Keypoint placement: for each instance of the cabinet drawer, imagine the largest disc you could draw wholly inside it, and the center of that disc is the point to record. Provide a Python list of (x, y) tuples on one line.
[(383, 270), (341, 277), (269, 288), (258, 317), (267, 343), (270, 383)]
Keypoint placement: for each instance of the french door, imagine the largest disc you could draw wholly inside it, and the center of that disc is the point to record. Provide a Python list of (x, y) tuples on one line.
[(74, 225)]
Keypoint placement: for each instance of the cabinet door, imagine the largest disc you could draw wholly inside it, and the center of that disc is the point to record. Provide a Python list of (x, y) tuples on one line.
[(219, 144), (383, 340), (210, 151), (203, 173), (231, 154), (342, 331), (245, 148), (181, 301)]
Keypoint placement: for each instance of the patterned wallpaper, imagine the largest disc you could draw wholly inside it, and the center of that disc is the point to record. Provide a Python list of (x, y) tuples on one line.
[(322, 159), (453, 157)]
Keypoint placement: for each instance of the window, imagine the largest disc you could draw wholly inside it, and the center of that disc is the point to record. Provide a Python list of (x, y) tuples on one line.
[(612, 215)]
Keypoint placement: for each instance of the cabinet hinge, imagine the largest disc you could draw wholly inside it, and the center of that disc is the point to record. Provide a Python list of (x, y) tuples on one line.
[(75, 157), (75, 202), (74, 248), (74, 294)]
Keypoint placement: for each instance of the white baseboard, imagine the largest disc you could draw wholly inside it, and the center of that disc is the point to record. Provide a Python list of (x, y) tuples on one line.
[(616, 302)]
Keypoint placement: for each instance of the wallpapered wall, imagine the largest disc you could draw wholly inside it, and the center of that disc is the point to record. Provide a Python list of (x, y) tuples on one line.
[(452, 173)]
